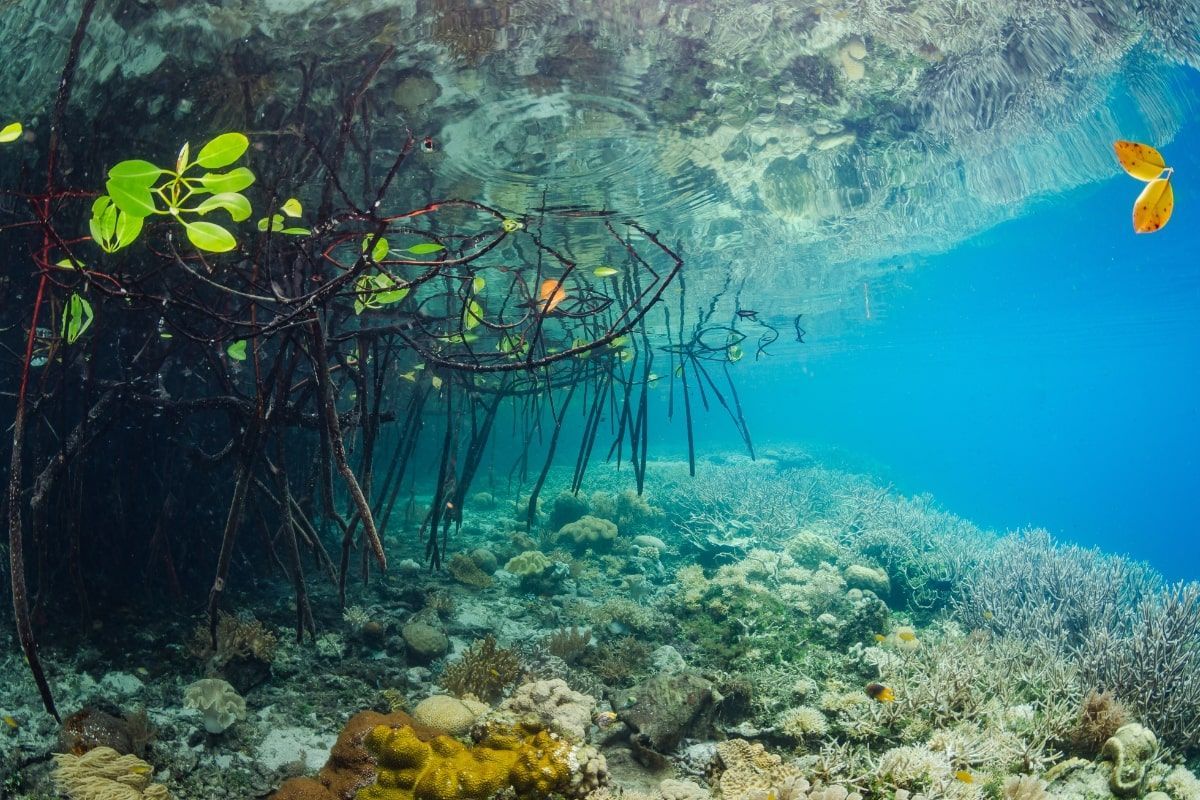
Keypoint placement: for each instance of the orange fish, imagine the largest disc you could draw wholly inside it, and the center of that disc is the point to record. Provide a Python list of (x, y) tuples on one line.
[(551, 295), (884, 694)]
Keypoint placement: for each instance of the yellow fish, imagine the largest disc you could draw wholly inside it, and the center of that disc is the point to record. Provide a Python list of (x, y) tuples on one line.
[(964, 776), (11, 721)]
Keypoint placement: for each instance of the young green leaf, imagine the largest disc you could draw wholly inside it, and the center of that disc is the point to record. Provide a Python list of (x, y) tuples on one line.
[(379, 251), (237, 350), (236, 204), (605, 271), (472, 315), (233, 181), (296, 231), (66, 263), (292, 208), (77, 317), (131, 196), (135, 171), (222, 151), (209, 236), (425, 248), (275, 223), (11, 132), (478, 284), (181, 161)]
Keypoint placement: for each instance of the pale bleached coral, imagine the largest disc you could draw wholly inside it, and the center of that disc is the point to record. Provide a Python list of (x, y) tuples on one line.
[(551, 704), (802, 722)]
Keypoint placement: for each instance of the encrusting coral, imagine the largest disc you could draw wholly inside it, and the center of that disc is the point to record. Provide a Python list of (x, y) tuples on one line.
[(105, 774), (449, 714), (533, 765)]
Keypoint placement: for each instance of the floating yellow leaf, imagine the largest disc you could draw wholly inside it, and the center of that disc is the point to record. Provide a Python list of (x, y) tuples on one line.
[(1153, 207), (1140, 160), (552, 293)]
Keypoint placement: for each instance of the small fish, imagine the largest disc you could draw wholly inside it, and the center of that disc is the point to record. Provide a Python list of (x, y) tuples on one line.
[(964, 776), (551, 294), (605, 720), (11, 721), (879, 637), (884, 694), (906, 636)]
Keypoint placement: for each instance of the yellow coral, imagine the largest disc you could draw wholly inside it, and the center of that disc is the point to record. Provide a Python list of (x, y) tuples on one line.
[(534, 765)]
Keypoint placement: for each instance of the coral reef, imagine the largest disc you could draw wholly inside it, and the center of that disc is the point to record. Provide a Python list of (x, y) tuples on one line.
[(568, 643), (589, 533), (550, 705), (534, 765), (449, 714), (218, 701), (466, 570), (484, 670), (104, 774), (1131, 750), (424, 641)]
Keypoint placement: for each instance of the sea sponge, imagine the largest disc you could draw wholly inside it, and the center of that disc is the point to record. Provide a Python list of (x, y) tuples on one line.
[(533, 765), (802, 722), (218, 700), (589, 533), (105, 774), (1131, 749), (449, 714)]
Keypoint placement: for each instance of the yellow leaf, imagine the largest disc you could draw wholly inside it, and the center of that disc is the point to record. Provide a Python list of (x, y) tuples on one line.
[(11, 132), (1153, 207), (1140, 160)]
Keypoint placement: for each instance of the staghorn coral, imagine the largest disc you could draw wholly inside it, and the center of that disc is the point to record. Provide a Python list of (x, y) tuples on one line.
[(1153, 664), (104, 774), (484, 670)]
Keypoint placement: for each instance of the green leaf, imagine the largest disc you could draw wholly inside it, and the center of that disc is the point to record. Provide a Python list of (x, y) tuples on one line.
[(275, 223), (605, 271), (103, 224), (472, 315), (136, 171), (236, 204), (209, 236), (129, 228), (297, 231), (131, 196), (66, 263), (379, 251), (237, 350), (223, 150), (233, 181), (11, 132), (77, 317), (425, 248), (292, 208), (181, 161), (478, 284), (734, 352)]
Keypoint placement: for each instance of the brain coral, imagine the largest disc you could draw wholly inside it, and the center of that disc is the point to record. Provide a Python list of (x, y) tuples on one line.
[(589, 533), (449, 714)]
